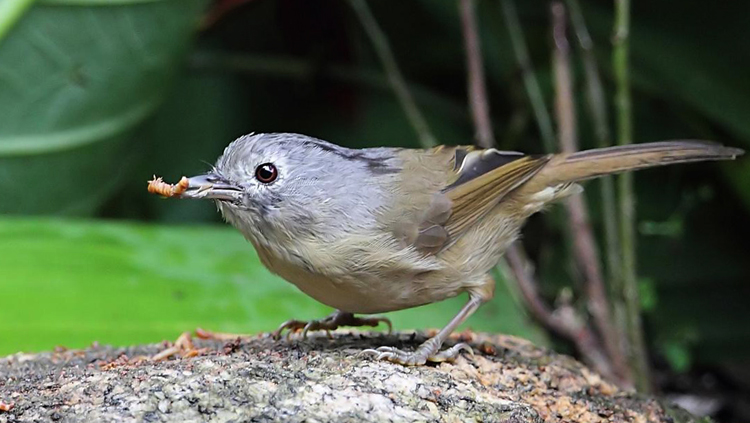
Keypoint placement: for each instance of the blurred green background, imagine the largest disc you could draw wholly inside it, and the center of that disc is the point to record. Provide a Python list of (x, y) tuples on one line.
[(96, 97)]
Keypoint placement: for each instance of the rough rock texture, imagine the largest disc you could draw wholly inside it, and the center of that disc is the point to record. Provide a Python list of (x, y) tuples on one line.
[(320, 379)]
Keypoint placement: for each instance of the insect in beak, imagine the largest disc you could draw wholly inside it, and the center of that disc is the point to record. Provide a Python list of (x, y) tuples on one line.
[(209, 186)]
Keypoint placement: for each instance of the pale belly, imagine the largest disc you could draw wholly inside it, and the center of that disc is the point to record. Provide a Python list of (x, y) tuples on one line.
[(398, 284), (365, 294), (361, 295)]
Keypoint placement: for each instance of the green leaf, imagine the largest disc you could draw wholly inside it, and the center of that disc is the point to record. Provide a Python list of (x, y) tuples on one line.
[(77, 78), (75, 282), (11, 12), (647, 294), (677, 355)]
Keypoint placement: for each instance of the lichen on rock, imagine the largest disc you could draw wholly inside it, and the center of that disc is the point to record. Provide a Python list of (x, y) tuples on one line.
[(318, 379)]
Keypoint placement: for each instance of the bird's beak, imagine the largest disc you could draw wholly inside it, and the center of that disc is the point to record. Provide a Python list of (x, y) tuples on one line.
[(211, 186)]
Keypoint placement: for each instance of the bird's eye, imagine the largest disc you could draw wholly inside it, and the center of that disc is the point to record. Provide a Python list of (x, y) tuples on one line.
[(266, 173)]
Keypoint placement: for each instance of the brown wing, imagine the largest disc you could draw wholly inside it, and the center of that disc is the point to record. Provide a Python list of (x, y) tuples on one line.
[(482, 179)]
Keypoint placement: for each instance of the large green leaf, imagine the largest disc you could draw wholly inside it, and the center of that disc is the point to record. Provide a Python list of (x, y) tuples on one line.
[(74, 282), (76, 78)]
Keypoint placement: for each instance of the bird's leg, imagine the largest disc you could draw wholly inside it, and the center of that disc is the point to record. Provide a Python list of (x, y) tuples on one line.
[(331, 322), (430, 349)]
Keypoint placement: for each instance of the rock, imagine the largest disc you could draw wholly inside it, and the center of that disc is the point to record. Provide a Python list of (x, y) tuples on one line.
[(319, 379)]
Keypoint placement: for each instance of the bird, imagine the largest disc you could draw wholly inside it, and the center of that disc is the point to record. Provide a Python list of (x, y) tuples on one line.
[(374, 230)]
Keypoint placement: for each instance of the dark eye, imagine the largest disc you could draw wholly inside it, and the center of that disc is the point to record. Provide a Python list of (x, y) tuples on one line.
[(266, 173)]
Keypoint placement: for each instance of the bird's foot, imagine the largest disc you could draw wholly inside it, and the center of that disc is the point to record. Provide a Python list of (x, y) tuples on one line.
[(329, 323), (429, 351)]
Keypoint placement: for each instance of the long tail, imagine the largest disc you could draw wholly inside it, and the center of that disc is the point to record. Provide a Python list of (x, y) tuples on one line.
[(563, 168)]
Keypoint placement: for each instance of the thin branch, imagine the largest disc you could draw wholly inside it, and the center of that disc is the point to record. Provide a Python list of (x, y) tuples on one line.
[(564, 107), (597, 107), (562, 322), (594, 87), (580, 226), (521, 268), (480, 109), (518, 262), (383, 50), (543, 119), (637, 349)]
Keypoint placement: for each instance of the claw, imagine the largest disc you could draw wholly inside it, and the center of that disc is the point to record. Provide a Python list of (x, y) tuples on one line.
[(418, 357), (292, 326), (329, 323), (386, 356), (467, 348), (307, 328), (451, 353), (378, 320)]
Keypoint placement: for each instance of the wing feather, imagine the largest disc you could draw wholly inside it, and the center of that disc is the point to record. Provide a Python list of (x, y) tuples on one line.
[(483, 179), (472, 200), (448, 190)]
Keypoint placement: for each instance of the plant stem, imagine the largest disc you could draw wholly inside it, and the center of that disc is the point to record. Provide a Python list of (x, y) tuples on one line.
[(597, 107), (396, 79), (563, 321), (564, 105), (477, 88), (522, 270), (623, 106), (543, 119), (585, 248)]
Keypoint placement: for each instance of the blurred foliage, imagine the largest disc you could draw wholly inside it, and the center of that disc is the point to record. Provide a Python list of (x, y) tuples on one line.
[(73, 282), (299, 66), (77, 77)]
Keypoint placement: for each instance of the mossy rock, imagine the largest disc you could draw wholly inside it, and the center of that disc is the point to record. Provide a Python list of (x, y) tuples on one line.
[(318, 379)]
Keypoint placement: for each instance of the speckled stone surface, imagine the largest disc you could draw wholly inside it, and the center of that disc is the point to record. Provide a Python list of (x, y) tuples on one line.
[(318, 379)]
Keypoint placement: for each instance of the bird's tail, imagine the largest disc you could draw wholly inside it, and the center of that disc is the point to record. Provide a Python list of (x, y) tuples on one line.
[(582, 165)]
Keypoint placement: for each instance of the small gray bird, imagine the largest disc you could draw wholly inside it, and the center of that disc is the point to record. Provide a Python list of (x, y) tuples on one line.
[(383, 229)]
